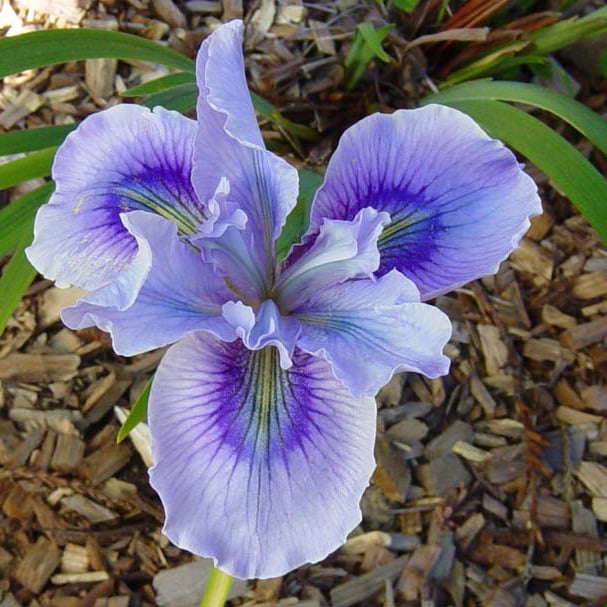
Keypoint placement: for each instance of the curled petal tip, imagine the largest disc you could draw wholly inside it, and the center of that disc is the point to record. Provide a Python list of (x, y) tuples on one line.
[(341, 251)]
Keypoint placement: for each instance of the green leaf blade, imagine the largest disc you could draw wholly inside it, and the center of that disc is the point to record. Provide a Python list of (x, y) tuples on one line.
[(580, 117), (49, 47), (361, 54), (16, 219), (16, 278), (160, 84), (408, 6), (603, 63), (551, 153), (30, 140), (180, 98), (374, 40), (35, 164), (299, 218), (137, 413)]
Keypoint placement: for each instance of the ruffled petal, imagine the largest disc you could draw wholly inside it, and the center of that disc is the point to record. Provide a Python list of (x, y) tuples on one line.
[(458, 200), (181, 294), (273, 329), (223, 84), (342, 250), (228, 144), (122, 159), (368, 330), (248, 455)]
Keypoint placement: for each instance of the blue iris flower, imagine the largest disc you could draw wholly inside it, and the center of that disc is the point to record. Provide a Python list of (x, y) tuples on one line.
[(262, 414)]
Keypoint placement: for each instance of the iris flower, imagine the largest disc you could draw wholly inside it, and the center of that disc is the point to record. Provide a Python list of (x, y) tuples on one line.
[(262, 413)]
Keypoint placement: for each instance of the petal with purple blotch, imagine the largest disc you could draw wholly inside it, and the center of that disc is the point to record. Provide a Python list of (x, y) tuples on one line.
[(122, 159), (248, 454), (458, 200), (383, 322), (181, 294)]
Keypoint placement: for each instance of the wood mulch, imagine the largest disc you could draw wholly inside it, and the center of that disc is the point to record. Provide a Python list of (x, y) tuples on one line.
[(491, 484)]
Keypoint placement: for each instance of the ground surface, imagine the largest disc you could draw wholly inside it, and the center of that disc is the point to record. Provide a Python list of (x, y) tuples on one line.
[(491, 485)]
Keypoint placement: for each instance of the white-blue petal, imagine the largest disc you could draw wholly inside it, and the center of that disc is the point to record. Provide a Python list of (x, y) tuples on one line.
[(180, 294), (260, 468), (368, 331)]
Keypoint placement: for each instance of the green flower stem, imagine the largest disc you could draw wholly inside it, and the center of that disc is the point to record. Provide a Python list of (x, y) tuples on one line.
[(217, 588)]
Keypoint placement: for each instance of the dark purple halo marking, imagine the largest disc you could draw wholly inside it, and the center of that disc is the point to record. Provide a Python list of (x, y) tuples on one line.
[(247, 454), (123, 159), (458, 200)]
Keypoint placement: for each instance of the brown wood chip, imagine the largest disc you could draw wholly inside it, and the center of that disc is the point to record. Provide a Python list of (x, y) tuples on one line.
[(586, 334), (591, 285), (93, 512), (38, 565), (38, 368), (104, 463), (68, 453), (365, 586)]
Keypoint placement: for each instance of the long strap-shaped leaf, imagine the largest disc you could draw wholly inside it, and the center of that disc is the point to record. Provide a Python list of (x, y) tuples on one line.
[(580, 117), (37, 49), (180, 98), (550, 152), (30, 140), (36, 164), (160, 84), (17, 276), (17, 218)]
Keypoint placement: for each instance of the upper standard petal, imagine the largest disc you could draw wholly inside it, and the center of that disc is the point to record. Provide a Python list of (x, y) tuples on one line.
[(248, 454), (121, 159), (458, 200), (228, 145), (223, 85)]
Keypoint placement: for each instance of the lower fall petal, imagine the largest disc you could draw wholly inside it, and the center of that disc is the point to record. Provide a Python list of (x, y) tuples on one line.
[(122, 159), (459, 201), (260, 468)]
